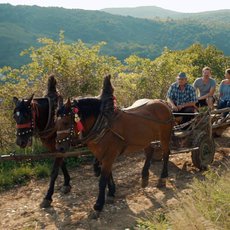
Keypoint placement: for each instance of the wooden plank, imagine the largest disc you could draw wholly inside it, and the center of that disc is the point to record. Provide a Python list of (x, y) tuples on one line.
[(22, 157), (217, 111)]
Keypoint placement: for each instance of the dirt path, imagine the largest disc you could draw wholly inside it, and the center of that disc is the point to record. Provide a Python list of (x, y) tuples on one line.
[(19, 207)]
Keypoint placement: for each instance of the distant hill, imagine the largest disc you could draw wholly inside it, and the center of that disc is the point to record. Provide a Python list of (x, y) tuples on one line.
[(20, 26), (154, 12), (150, 12)]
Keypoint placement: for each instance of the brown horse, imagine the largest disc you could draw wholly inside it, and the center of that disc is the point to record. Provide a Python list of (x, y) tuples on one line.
[(35, 117), (109, 132)]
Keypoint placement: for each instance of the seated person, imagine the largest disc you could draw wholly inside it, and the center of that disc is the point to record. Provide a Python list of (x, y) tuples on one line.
[(224, 100), (182, 97), (205, 86)]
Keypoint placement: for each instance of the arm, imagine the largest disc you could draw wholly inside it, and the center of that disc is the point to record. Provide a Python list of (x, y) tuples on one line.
[(221, 89), (174, 107), (188, 104), (211, 91), (170, 96), (209, 94)]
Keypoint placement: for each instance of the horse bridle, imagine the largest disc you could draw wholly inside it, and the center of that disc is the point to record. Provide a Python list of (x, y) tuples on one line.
[(73, 129), (29, 125)]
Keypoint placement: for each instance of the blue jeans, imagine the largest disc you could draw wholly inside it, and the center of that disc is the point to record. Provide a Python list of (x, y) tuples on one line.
[(223, 104)]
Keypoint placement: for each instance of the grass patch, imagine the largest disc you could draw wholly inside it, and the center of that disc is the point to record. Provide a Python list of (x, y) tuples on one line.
[(17, 173), (157, 221), (12, 173), (207, 206)]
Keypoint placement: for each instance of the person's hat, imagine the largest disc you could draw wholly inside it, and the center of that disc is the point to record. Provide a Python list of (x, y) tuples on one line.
[(181, 75)]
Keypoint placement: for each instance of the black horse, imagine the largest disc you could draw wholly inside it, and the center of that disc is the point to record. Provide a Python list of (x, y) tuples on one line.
[(36, 117)]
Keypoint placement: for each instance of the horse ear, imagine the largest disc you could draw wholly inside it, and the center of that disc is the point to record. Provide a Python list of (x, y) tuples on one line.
[(60, 101), (68, 102), (52, 84), (28, 101), (108, 76), (15, 100)]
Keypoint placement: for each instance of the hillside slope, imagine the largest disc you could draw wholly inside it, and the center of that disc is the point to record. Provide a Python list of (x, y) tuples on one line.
[(20, 26)]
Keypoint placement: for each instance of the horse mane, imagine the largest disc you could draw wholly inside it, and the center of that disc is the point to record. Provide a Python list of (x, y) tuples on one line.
[(107, 98), (54, 97), (87, 106)]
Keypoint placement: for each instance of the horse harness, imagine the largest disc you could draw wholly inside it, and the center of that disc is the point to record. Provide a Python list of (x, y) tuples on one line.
[(101, 126)]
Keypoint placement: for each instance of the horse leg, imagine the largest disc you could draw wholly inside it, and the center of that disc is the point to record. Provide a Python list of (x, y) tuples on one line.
[(103, 182), (66, 186), (164, 173), (112, 190), (145, 171), (48, 198), (101, 196), (96, 167)]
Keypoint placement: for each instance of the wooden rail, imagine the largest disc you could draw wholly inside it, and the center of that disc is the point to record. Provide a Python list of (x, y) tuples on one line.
[(21, 157)]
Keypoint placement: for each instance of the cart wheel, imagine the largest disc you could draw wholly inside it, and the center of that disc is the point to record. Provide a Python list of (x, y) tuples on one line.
[(203, 156)]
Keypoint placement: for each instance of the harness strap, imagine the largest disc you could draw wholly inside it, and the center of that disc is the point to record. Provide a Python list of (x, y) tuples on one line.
[(35, 113), (24, 126), (49, 117)]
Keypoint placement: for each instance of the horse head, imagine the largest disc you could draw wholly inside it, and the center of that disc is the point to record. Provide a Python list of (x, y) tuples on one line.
[(23, 115), (75, 120)]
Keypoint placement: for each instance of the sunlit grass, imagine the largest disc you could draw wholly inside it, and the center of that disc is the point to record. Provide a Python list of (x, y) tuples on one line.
[(207, 206)]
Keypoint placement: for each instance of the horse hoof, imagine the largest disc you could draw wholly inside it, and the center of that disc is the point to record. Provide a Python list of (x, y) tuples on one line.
[(94, 215), (161, 183), (66, 189), (110, 199), (145, 182), (45, 203)]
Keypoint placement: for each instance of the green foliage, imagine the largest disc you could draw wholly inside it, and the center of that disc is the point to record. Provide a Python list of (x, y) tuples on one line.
[(146, 78), (13, 173), (42, 170), (22, 174), (80, 69)]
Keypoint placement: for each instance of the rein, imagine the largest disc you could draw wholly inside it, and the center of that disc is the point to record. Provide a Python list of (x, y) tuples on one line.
[(98, 130)]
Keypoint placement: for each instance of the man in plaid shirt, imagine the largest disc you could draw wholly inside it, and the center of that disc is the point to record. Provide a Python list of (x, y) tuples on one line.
[(182, 97)]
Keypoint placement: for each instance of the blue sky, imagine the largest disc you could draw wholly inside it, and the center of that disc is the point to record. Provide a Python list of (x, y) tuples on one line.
[(176, 5)]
